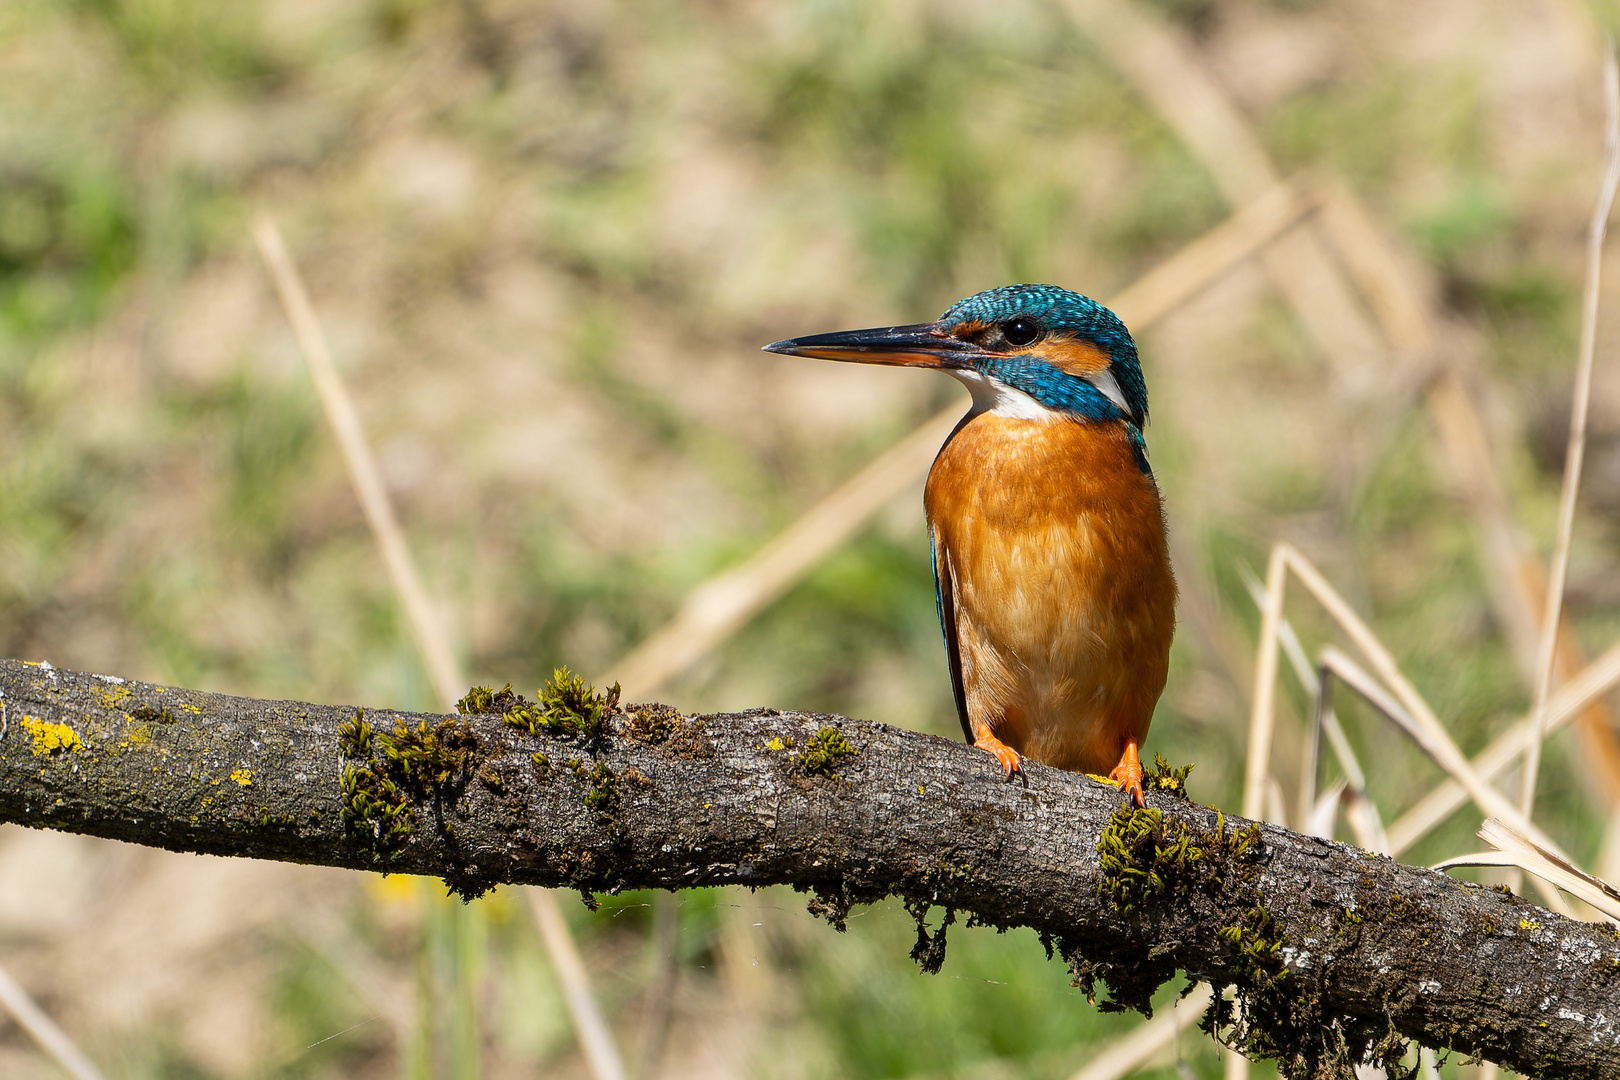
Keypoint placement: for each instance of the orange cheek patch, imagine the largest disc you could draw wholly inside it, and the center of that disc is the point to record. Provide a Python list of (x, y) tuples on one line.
[(1071, 355)]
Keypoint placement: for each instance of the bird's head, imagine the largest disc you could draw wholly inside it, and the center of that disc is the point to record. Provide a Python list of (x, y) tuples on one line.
[(1032, 351)]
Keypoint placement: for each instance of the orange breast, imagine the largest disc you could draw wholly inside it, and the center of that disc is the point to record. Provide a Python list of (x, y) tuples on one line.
[(1063, 595)]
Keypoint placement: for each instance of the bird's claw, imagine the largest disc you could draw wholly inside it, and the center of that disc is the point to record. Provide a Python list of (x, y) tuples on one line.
[(1012, 763), (1128, 775)]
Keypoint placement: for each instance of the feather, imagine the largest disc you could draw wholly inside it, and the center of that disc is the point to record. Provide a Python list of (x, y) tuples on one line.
[(945, 605)]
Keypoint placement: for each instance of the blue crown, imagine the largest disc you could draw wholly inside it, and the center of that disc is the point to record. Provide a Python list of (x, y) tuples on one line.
[(1065, 312)]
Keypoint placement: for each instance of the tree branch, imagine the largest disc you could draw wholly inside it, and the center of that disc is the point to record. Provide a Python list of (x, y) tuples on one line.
[(1333, 953)]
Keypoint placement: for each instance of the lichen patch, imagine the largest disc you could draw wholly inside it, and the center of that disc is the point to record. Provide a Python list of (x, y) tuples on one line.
[(110, 697), (51, 738)]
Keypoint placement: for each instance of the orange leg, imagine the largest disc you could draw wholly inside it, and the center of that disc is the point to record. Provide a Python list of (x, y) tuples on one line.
[(1011, 761), (1128, 774)]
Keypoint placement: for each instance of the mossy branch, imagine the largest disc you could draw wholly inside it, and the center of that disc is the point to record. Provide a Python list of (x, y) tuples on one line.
[(1335, 955)]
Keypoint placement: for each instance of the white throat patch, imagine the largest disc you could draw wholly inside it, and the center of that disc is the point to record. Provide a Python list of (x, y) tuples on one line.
[(996, 397)]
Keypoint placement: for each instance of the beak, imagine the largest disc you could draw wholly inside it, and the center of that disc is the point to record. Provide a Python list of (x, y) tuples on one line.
[(922, 345)]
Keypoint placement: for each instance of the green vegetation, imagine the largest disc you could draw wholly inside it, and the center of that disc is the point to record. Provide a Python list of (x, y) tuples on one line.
[(823, 751), (378, 811), (378, 791), (428, 758), (568, 706)]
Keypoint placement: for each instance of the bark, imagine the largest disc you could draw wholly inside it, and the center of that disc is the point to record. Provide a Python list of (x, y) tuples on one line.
[(1333, 952)]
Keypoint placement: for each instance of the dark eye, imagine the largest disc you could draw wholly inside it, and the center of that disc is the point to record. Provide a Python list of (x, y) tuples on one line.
[(1020, 332)]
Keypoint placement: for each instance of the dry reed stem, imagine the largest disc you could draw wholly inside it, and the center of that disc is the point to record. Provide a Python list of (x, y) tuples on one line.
[(1325, 722), (1396, 291), (718, 607), (594, 1037), (1575, 452), (1414, 712), (426, 626), (1426, 726), (43, 1030), (428, 631), (660, 992), (1570, 701), (1515, 849), (1440, 748), (1262, 718), (1406, 708), (1147, 1042)]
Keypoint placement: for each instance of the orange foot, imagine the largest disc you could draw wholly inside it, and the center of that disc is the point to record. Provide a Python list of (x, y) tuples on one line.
[(1128, 774), (1011, 762)]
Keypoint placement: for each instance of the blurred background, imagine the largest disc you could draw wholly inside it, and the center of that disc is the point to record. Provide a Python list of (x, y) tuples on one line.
[(546, 241)]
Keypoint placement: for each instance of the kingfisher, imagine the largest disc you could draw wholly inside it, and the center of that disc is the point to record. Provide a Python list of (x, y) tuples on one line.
[(1051, 564)]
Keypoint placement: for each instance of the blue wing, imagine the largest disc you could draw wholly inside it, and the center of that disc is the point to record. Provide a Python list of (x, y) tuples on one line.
[(945, 605)]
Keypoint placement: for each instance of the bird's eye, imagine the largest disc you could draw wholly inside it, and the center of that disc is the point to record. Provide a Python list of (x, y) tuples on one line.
[(1020, 332)]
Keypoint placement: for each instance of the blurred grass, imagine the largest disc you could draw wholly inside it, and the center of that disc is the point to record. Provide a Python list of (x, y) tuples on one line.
[(546, 241)]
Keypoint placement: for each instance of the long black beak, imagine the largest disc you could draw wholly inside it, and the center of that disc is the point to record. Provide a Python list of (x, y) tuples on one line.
[(922, 345)]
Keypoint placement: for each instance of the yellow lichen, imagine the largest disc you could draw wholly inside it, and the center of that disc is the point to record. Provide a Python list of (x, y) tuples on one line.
[(50, 738), (109, 697), (243, 777)]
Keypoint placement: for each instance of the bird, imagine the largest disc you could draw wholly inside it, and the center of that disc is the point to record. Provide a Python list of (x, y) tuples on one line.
[(1047, 532)]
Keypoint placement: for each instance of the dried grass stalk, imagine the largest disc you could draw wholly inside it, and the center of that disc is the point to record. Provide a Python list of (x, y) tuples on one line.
[(1147, 1043), (44, 1031), (1443, 751), (1575, 451), (426, 628), (1514, 848), (1601, 676)]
